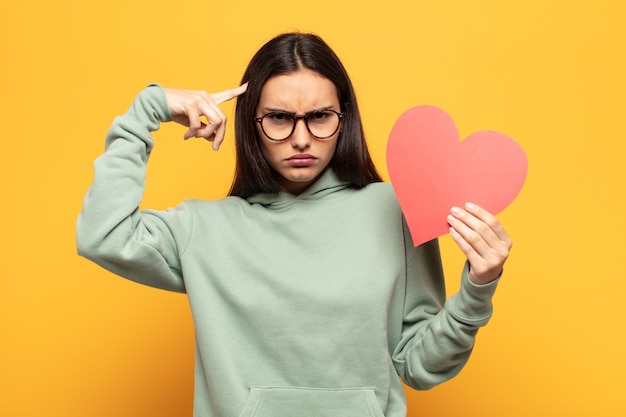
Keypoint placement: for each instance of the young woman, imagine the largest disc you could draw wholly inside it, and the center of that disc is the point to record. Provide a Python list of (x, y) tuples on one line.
[(307, 294)]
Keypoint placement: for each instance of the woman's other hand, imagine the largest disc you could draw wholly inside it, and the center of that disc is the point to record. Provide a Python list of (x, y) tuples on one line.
[(482, 239)]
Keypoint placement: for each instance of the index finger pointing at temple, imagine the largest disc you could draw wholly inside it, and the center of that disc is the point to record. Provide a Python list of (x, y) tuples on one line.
[(226, 95)]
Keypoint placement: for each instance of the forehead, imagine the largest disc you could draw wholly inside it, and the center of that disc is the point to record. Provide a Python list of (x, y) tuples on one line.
[(299, 91)]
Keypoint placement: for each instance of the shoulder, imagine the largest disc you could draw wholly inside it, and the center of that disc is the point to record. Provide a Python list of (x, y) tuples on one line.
[(225, 209), (220, 204), (380, 190), (380, 187), (188, 215), (378, 197)]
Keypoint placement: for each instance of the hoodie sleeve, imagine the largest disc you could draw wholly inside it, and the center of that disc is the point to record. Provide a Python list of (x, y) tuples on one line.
[(438, 335), (111, 229)]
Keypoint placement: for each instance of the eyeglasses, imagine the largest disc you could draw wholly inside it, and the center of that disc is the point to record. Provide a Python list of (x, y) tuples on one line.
[(321, 124)]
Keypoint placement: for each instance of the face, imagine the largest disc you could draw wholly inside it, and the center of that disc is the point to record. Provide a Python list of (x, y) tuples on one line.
[(301, 158)]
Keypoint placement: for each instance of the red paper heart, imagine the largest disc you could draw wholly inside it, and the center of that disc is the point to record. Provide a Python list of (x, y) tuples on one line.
[(431, 170)]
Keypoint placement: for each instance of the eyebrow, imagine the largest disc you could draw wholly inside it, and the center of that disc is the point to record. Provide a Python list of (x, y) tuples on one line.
[(278, 110)]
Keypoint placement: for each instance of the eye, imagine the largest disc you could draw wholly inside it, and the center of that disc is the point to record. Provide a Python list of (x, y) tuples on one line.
[(320, 116), (278, 118)]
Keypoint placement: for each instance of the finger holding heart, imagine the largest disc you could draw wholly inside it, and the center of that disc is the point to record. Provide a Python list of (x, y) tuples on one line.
[(483, 240)]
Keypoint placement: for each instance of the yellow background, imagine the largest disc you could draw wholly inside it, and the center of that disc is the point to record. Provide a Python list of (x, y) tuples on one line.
[(77, 341)]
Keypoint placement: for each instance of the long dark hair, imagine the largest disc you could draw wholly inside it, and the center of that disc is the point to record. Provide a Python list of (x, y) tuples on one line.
[(284, 54)]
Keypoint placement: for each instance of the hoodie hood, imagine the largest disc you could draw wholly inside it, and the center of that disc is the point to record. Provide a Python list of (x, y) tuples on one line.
[(327, 184)]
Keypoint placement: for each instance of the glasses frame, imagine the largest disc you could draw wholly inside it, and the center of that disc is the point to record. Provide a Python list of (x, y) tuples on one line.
[(305, 117)]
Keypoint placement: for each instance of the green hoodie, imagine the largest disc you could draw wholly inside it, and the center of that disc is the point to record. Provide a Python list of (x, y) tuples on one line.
[(304, 306)]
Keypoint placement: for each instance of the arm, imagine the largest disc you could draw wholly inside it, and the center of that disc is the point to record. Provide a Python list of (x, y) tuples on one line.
[(438, 335), (111, 230)]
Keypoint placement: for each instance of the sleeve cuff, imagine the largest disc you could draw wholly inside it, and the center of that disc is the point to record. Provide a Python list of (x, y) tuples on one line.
[(472, 305)]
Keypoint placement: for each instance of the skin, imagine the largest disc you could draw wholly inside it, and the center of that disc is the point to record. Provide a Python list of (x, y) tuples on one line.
[(478, 234), (301, 158), (188, 106), (483, 240)]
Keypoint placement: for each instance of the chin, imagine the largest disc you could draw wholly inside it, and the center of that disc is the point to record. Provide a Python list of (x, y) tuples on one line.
[(308, 177), (299, 181)]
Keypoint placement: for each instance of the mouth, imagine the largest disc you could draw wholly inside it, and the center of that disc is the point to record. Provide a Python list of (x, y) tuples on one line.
[(301, 160)]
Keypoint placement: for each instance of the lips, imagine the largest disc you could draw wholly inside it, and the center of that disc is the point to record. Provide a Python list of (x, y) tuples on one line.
[(301, 160)]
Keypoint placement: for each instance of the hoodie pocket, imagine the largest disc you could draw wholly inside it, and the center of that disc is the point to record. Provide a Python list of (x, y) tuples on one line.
[(311, 402)]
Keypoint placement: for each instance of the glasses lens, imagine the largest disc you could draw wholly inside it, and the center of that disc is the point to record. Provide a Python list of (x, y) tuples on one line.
[(323, 124), (278, 126)]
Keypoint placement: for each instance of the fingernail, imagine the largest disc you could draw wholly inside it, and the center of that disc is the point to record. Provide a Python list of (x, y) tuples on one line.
[(455, 210), (469, 206)]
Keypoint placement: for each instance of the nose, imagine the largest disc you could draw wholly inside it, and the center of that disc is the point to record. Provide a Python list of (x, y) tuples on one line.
[(300, 138)]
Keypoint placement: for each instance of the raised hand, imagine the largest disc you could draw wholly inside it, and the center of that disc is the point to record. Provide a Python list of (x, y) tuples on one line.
[(188, 106), (482, 239)]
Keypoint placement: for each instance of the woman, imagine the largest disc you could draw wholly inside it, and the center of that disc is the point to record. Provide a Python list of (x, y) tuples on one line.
[(307, 294)]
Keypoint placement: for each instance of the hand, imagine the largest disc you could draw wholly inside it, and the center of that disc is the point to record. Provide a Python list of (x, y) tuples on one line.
[(188, 106), (482, 239)]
